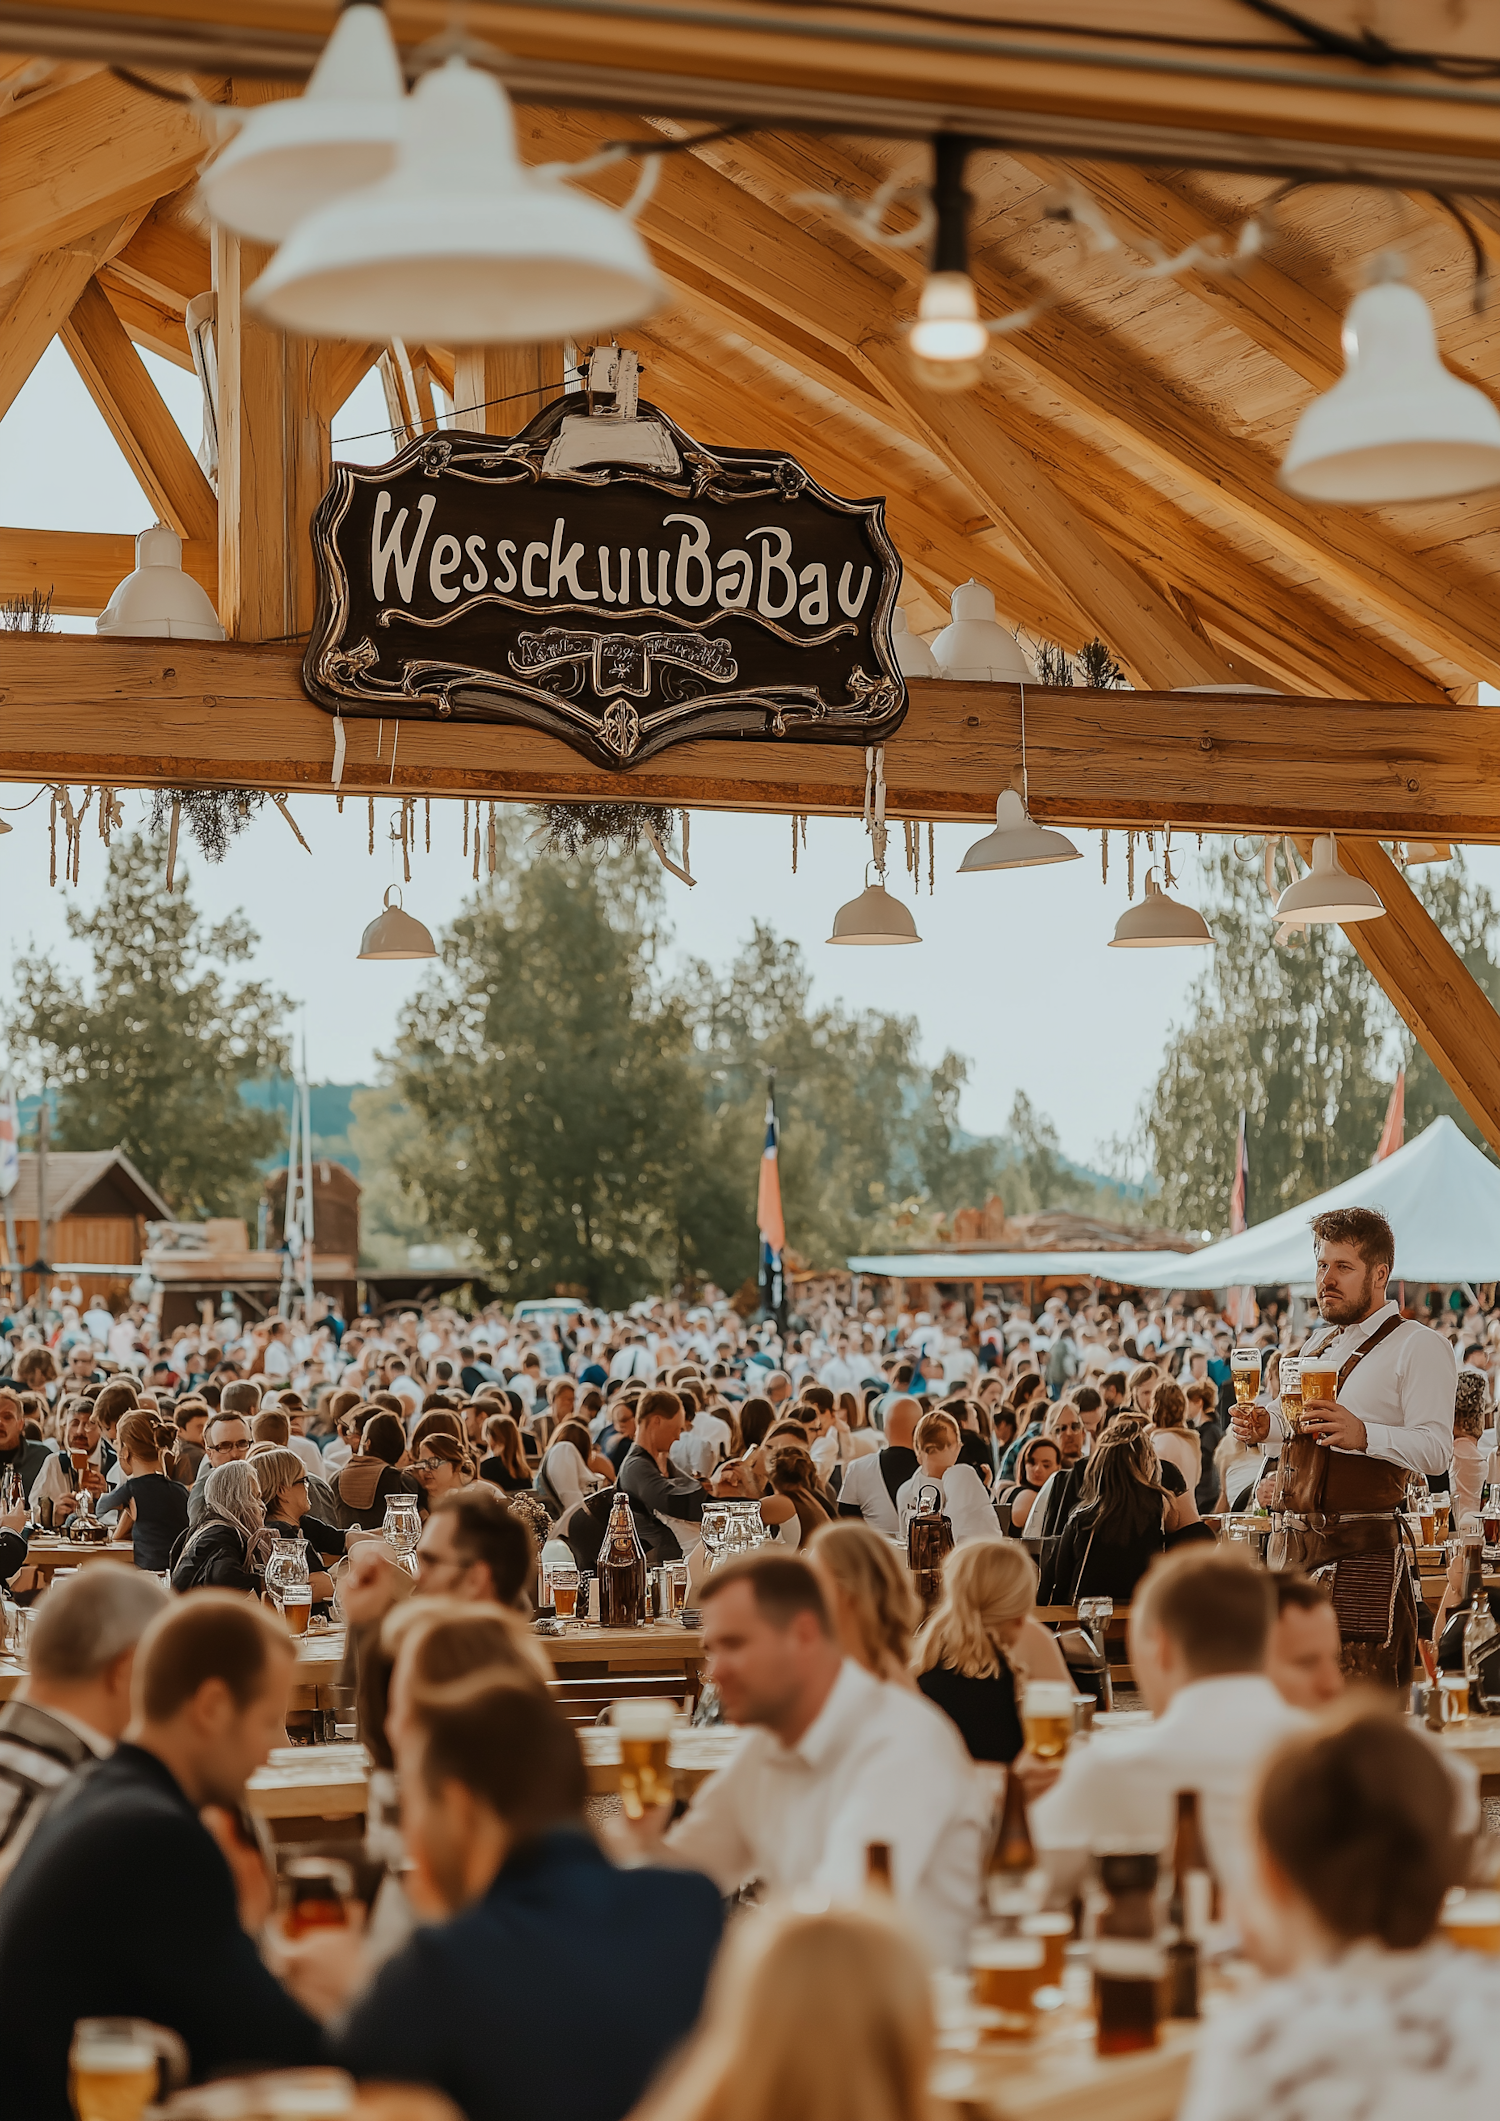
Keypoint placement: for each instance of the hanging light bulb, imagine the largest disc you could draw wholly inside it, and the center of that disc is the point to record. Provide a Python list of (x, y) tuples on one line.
[(1159, 923), (914, 659), (975, 646), (394, 934), (1016, 843), (949, 339), (289, 158), (460, 245), (1419, 853), (874, 917), (157, 601), (1396, 426), (1328, 893)]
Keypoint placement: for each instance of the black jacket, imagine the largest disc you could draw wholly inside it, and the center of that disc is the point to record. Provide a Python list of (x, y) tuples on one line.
[(164, 1939), (213, 1554), (474, 2007)]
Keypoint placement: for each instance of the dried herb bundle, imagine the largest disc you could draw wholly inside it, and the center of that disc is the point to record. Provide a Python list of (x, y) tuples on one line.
[(568, 829), (214, 816)]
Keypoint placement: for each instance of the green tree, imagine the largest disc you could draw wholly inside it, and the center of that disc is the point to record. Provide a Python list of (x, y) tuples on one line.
[(558, 1104), (1303, 1040), (151, 1056)]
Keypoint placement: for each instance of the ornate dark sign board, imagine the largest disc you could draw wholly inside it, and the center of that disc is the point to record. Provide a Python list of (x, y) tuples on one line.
[(622, 606)]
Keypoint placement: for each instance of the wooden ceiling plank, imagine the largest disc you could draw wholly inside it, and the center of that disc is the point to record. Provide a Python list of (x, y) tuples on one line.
[(153, 444), (166, 260), (159, 329), (1430, 986), (497, 389), (70, 161), (81, 569)]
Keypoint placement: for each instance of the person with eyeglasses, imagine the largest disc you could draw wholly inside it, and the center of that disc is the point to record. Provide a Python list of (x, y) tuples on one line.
[(444, 1467), (226, 1442), (282, 1480)]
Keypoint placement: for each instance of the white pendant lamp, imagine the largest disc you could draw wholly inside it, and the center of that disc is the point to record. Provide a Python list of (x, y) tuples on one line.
[(874, 917), (1396, 426), (914, 659), (975, 646), (394, 934), (460, 245), (158, 601), (948, 326), (1016, 843), (1159, 923), (1328, 893), (292, 157)]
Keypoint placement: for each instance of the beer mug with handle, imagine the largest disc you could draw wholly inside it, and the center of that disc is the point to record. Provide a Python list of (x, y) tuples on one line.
[(117, 2067)]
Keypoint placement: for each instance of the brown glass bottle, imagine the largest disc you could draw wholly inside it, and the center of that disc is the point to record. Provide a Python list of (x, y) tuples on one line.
[(621, 1570), (1012, 1856), (1189, 1908), (878, 1877), (1128, 1964)]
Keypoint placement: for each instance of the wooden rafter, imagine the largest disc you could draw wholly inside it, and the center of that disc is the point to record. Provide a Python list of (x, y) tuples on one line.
[(138, 417), (81, 568), (71, 161), (166, 260), (46, 297)]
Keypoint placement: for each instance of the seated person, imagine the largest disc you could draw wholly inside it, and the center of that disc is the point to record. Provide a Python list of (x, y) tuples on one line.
[(511, 1880), (870, 1485), (965, 1499), (128, 1842), (983, 1643), (281, 1478), (1200, 1626), (362, 1488), (152, 1510), (1369, 2011)]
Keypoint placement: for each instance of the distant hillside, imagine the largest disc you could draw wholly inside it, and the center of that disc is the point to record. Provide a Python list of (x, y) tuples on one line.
[(331, 1112)]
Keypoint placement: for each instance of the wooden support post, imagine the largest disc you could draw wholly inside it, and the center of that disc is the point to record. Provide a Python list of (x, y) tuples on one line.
[(273, 458), (1430, 986), (497, 389), (137, 415)]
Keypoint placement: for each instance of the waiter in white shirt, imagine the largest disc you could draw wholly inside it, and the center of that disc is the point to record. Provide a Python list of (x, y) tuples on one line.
[(1344, 1471)]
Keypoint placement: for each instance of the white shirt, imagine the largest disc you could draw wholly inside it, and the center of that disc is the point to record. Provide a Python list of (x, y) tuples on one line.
[(309, 1454), (1122, 1784), (864, 1489), (966, 1504), (277, 1360), (843, 1373), (568, 1476), (879, 1763), (632, 1361), (1403, 1391)]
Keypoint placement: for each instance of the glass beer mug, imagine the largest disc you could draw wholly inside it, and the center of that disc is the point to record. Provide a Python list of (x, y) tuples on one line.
[(402, 1529), (117, 2066), (645, 1729), (1244, 1372)]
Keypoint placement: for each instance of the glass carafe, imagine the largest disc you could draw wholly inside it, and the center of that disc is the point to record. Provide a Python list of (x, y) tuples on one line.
[(402, 1530)]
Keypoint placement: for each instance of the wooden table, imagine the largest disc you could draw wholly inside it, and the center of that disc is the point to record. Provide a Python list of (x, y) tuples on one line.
[(1058, 2077), (46, 1553), (662, 1646), (331, 1781)]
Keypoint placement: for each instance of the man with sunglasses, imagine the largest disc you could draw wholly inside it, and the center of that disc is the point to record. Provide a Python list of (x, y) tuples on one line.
[(226, 1442)]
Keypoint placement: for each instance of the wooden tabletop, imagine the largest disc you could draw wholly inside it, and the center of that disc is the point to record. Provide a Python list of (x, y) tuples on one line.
[(663, 1644), (1477, 1740), (1058, 2077), (47, 1552), (331, 1781)]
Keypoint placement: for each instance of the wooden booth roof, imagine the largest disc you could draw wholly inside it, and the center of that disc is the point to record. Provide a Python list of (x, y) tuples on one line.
[(94, 1182)]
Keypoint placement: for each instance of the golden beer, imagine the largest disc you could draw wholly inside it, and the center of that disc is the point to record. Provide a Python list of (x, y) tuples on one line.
[(646, 1729), (1008, 1971), (1454, 1690), (564, 1599), (100, 2094), (1441, 1510), (1320, 1378), (297, 1612), (1053, 1932), (1291, 1393), (114, 2067), (1047, 1717), (1472, 1921), (1244, 1372)]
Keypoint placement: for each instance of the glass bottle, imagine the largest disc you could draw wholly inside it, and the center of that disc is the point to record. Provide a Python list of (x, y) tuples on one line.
[(621, 1569), (1008, 1884), (1128, 1964), (878, 1877), (1189, 1908)]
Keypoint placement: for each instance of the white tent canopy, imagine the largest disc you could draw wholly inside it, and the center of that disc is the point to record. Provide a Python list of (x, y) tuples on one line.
[(1139, 1270), (1439, 1194)]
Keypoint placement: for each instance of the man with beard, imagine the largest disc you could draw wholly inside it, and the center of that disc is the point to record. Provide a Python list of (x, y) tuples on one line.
[(1345, 1469)]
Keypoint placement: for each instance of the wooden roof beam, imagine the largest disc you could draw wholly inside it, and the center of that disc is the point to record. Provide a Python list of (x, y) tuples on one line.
[(166, 261), (71, 161), (1433, 991), (233, 714), (155, 447), (81, 569), (47, 297)]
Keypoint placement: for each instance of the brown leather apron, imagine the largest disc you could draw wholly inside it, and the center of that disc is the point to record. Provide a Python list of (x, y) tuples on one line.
[(1347, 1529)]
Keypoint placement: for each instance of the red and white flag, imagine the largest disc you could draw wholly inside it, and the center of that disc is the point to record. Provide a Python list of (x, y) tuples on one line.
[(1239, 1192), (1393, 1133)]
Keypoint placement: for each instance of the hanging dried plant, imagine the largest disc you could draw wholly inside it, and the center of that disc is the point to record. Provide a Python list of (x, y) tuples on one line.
[(214, 816), (28, 614), (570, 829), (1104, 857), (1097, 668)]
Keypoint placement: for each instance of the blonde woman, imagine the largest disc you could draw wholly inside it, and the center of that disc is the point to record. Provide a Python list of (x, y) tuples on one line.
[(981, 1642), (1172, 1440), (810, 2017), (870, 1595)]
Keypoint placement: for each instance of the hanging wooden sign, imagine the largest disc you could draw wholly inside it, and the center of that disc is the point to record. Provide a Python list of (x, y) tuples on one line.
[(609, 580)]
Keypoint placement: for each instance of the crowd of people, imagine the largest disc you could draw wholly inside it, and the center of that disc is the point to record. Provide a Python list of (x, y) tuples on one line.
[(743, 1965)]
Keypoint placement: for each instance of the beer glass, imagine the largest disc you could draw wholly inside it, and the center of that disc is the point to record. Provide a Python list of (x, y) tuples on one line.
[(1320, 1378), (563, 1584), (402, 1529), (1491, 1521), (645, 1729), (1454, 1690), (1127, 1993), (1441, 1510), (1244, 1372), (1047, 1717), (1054, 1930), (1291, 1392), (315, 1893), (715, 1529), (1008, 1971), (1472, 1921), (677, 1574), (115, 2067)]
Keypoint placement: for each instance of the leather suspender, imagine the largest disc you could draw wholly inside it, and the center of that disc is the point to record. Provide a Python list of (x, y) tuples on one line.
[(1366, 1347)]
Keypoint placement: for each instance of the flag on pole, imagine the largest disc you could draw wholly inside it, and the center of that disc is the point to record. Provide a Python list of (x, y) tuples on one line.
[(1239, 1192), (1392, 1134), (10, 1138), (768, 1199)]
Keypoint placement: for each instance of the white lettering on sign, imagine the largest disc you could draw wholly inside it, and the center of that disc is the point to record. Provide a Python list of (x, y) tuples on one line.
[(383, 551), (762, 575)]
